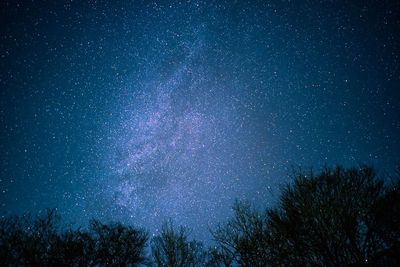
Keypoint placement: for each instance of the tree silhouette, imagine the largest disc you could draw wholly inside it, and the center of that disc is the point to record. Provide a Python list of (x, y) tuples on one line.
[(330, 219), (244, 240), (12, 237), (39, 242), (171, 248), (387, 225), (118, 245), (336, 218), (74, 248), (217, 257), (27, 241)]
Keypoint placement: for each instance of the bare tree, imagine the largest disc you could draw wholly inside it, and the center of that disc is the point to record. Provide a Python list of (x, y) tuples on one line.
[(118, 245), (243, 240), (28, 241), (74, 248), (339, 217), (39, 242), (171, 248)]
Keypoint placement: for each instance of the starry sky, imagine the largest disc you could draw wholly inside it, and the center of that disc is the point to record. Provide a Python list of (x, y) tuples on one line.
[(140, 111)]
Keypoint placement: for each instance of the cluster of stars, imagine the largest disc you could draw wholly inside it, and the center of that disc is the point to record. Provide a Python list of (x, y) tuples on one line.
[(142, 111)]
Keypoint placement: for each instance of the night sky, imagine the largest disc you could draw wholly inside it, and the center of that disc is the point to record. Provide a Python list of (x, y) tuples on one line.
[(140, 111)]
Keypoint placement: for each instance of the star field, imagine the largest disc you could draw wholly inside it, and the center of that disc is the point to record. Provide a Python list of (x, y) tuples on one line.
[(140, 111)]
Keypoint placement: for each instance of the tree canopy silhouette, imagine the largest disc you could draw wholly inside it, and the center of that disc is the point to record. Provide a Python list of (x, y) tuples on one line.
[(118, 245), (26, 241), (172, 248), (338, 217)]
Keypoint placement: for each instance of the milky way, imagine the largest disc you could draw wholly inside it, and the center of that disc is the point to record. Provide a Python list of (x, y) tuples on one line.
[(174, 152), (141, 111)]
